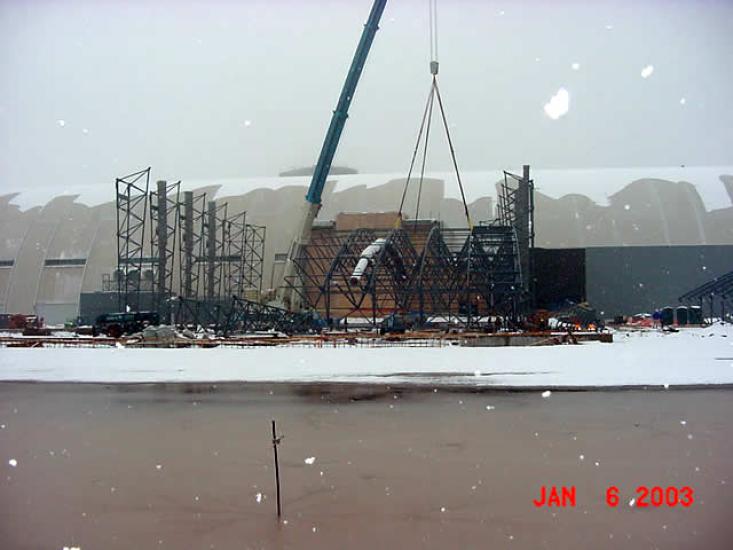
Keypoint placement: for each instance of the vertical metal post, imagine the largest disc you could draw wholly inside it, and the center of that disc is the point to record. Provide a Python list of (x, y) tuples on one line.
[(187, 237), (121, 271), (162, 236), (225, 266), (275, 443), (722, 309), (210, 250), (523, 225)]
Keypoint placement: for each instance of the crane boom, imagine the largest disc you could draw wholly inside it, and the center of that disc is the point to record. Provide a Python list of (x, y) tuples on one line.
[(338, 120), (286, 296)]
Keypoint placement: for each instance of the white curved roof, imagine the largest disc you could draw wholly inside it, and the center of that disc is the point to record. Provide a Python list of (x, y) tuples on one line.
[(596, 183)]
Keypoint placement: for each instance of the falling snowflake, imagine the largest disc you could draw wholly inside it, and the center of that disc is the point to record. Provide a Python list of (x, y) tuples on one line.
[(546, 394), (575, 66), (647, 71), (477, 373), (61, 122), (683, 101), (13, 462), (627, 207), (581, 457), (683, 422), (490, 407), (559, 104), (258, 497), (158, 466), (632, 502), (310, 460)]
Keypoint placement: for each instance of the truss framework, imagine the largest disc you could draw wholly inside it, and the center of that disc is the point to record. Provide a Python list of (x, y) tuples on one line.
[(717, 295), (460, 276), (132, 204), (162, 237), (247, 316), (469, 277), (254, 257)]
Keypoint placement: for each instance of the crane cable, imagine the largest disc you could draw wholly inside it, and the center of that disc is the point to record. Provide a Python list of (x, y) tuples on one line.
[(433, 17), (426, 123)]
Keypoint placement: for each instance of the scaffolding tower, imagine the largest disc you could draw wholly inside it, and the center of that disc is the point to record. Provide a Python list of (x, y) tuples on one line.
[(132, 204), (183, 256)]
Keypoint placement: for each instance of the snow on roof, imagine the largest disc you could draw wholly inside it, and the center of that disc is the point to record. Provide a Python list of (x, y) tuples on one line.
[(596, 183)]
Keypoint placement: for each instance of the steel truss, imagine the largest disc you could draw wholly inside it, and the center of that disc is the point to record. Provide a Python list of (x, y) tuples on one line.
[(515, 209), (243, 257), (247, 316), (207, 314), (467, 277), (488, 268), (716, 294), (254, 257), (460, 276), (383, 286), (132, 204), (214, 256)]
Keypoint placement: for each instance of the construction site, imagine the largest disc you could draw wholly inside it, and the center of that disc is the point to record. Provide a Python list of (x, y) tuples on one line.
[(485, 300), (197, 266)]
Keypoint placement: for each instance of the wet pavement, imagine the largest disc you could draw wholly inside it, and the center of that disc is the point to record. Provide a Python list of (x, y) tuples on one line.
[(191, 466)]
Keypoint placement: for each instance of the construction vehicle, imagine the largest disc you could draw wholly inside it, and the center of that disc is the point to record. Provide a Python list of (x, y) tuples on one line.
[(288, 297), (117, 324)]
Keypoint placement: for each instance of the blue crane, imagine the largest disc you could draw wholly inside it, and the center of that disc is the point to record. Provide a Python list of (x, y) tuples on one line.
[(286, 296), (338, 120)]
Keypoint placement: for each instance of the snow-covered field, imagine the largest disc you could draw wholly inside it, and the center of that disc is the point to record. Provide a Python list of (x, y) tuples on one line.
[(689, 357)]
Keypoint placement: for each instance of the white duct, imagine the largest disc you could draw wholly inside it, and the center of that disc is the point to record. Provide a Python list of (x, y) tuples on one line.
[(365, 259)]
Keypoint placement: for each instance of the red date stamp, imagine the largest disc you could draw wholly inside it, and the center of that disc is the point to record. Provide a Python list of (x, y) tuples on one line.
[(563, 497), (654, 496), (552, 496)]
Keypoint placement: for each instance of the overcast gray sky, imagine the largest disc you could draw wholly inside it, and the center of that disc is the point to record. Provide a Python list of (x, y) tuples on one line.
[(95, 89)]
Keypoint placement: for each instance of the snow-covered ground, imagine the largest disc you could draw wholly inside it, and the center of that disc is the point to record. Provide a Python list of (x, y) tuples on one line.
[(690, 357)]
